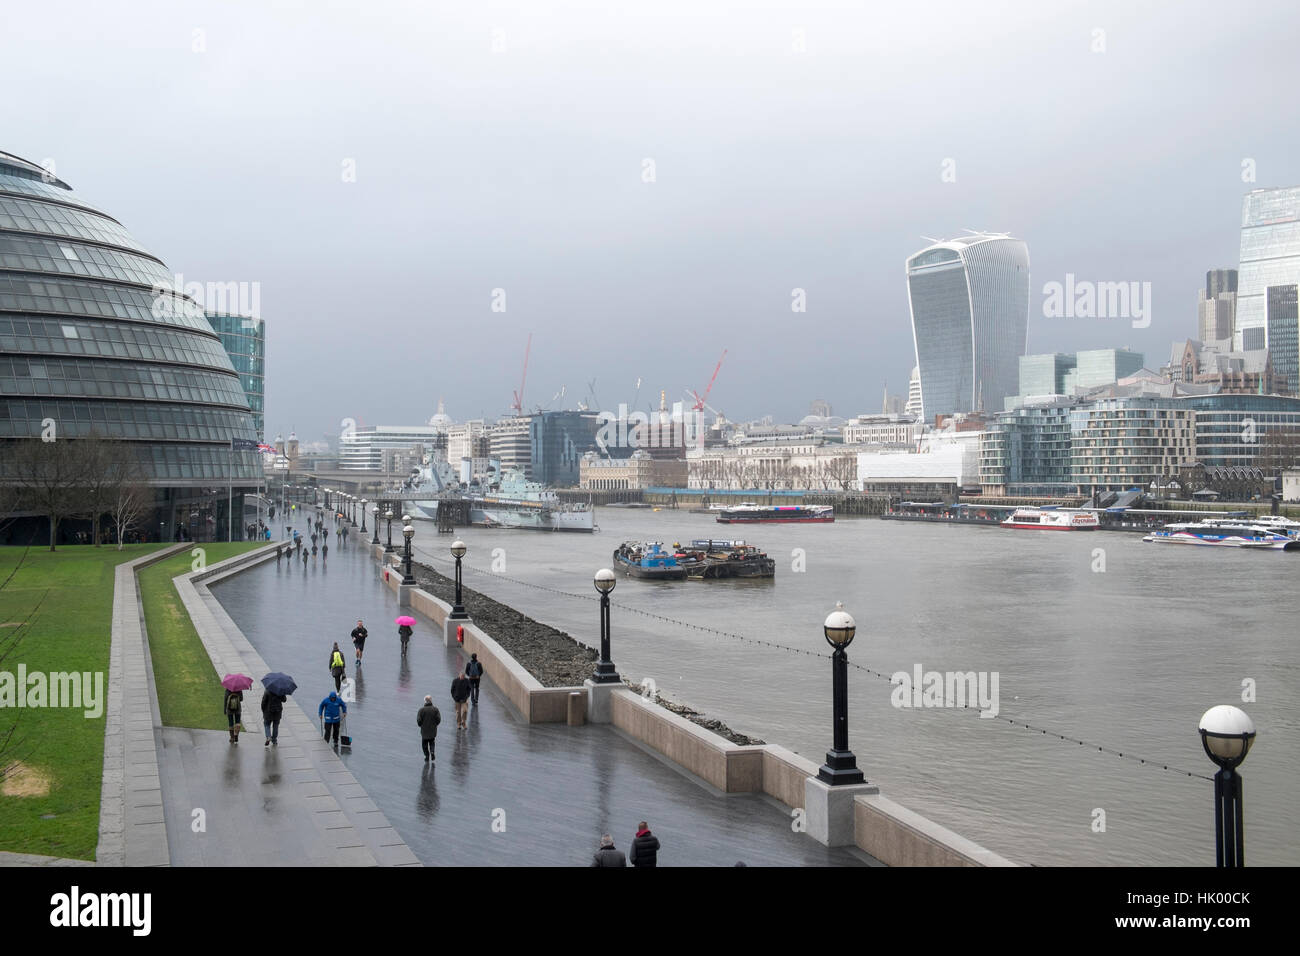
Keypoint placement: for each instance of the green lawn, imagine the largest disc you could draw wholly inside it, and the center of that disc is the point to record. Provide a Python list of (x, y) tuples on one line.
[(60, 607), (189, 691)]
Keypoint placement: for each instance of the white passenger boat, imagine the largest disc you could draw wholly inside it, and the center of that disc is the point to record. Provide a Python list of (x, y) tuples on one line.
[(1051, 519), (1225, 534)]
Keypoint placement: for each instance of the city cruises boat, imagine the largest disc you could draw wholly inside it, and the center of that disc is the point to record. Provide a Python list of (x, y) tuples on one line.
[(1224, 534), (1052, 519), (711, 559), (649, 560), (750, 512)]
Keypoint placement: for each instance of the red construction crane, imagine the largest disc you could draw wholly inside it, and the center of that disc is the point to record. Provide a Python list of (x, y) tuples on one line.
[(518, 404), (700, 399)]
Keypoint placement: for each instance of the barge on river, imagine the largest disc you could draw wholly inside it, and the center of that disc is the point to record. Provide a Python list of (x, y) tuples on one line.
[(749, 512), (648, 560), (710, 559)]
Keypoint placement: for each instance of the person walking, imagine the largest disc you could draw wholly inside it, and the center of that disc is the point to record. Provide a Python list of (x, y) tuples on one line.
[(460, 694), (279, 553), (304, 559), (233, 706), (474, 671), (645, 847), (404, 632), (272, 711), (427, 718), (607, 855), (324, 551), (337, 667), (359, 635), (331, 712)]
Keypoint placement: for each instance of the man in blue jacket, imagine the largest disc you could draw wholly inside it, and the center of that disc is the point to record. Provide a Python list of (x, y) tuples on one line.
[(331, 712)]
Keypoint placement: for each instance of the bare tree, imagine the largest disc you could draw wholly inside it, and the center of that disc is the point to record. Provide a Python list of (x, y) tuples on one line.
[(52, 476), (131, 497)]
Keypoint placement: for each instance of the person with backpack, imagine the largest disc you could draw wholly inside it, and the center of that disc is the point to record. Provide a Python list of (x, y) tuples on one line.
[(474, 671), (233, 707), (331, 712), (337, 667), (645, 847), (272, 711), (427, 718)]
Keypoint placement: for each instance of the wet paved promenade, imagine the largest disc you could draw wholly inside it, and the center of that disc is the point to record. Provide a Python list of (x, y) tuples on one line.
[(501, 792)]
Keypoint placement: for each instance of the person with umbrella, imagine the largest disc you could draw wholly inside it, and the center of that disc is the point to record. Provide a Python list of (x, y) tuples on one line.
[(404, 630), (278, 688), (233, 704)]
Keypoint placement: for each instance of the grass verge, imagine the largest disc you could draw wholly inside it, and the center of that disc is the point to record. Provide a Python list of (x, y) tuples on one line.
[(189, 691), (55, 616)]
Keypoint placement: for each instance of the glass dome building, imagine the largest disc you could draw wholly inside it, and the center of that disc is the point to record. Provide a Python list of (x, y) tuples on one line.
[(95, 336)]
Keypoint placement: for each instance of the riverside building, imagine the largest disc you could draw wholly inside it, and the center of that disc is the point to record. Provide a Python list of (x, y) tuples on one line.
[(96, 339), (1270, 256), (969, 301)]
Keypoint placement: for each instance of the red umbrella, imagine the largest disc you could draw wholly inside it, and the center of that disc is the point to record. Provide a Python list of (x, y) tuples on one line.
[(405, 619), (236, 682)]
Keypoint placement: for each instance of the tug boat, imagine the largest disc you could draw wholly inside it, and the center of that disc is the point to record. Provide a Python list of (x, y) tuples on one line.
[(649, 560), (751, 512), (1225, 534), (1051, 519)]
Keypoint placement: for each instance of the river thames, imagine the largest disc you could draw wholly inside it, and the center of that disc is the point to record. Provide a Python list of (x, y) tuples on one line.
[(1096, 636)]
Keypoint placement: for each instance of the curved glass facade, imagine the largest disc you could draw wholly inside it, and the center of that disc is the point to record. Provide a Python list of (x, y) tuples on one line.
[(969, 299), (94, 336)]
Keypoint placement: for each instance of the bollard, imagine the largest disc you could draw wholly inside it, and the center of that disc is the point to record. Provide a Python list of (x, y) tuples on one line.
[(577, 708)]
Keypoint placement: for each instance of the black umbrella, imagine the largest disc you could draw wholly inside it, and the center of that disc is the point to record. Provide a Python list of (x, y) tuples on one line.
[(278, 683)]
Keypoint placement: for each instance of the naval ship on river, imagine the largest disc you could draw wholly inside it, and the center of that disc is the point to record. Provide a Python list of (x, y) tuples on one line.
[(502, 499)]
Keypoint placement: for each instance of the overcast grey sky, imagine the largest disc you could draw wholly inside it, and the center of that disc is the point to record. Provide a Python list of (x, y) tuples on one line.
[(502, 145)]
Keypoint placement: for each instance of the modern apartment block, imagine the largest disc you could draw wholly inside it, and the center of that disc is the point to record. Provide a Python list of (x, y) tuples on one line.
[(510, 444), (1028, 451), (969, 301), (1121, 443), (1270, 256), (363, 449)]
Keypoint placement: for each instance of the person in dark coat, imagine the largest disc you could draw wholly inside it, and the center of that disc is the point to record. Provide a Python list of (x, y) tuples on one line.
[(337, 667), (404, 632), (460, 694), (645, 847), (607, 855), (474, 671), (427, 718), (272, 711), (359, 635)]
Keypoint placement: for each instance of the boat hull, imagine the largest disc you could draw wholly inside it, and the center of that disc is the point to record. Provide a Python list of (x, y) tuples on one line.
[(816, 519)]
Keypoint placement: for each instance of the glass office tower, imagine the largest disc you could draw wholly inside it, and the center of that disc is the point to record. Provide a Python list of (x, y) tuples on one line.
[(969, 299), (1270, 256), (1284, 334), (244, 339)]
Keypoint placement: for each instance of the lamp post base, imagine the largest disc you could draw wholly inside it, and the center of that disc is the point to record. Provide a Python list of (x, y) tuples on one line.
[(840, 769), (605, 674), (830, 810), (458, 613)]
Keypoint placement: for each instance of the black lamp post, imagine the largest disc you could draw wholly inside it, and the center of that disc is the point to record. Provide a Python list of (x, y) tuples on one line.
[(374, 513), (363, 515), (604, 673), (458, 550), (1227, 733), (408, 532), (841, 767), (388, 548)]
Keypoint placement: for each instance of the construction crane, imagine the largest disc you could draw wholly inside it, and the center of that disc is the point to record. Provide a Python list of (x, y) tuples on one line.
[(700, 399), (518, 403), (693, 397)]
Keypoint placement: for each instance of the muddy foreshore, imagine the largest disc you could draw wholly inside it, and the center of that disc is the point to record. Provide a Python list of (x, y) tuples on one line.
[(550, 655)]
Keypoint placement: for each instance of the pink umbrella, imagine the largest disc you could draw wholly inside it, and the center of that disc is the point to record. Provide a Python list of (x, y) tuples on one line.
[(236, 682), (405, 619)]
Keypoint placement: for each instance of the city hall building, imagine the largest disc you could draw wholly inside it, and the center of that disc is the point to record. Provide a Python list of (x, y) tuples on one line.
[(96, 339)]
